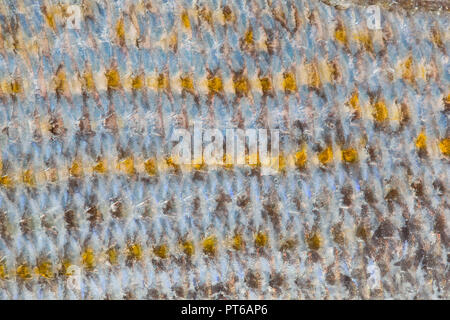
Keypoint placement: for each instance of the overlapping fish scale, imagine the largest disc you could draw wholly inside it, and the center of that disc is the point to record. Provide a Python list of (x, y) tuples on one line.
[(358, 208)]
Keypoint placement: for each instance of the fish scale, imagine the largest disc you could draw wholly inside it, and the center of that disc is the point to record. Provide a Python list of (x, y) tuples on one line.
[(93, 205)]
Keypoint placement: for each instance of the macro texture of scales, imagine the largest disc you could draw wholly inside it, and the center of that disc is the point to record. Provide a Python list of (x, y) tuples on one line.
[(92, 206)]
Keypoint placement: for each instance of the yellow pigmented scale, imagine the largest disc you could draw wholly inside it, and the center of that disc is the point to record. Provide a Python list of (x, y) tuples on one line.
[(45, 270), (170, 162), (210, 245), (421, 141), (340, 35), (261, 239), (326, 156), (365, 40), (447, 99), (88, 259), (187, 84), (112, 256), (188, 248), (24, 272), (100, 167), (28, 178), (249, 37), (127, 166), (88, 81), (215, 85), (50, 19), (185, 20), (161, 251), (354, 101), (150, 167), (76, 170), (113, 79), (380, 111), (138, 82), (237, 242), (444, 146), (3, 272), (349, 155), (120, 31), (241, 86), (315, 241), (408, 72), (135, 251), (253, 160), (162, 82), (289, 83), (6, 181), (266, 85), (301, 158), (16, 86), (199, 164), (228, 161)]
